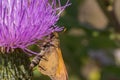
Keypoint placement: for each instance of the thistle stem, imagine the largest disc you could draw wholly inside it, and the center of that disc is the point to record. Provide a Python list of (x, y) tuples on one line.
[(15, 66)]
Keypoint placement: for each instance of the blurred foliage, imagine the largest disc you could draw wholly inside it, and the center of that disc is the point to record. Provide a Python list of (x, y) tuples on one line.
[(76, 49)]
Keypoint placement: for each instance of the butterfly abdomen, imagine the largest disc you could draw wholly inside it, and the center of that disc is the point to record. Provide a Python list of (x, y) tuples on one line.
[(35, 61)]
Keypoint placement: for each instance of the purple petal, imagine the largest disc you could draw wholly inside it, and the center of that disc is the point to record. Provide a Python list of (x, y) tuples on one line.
[(23, 22)]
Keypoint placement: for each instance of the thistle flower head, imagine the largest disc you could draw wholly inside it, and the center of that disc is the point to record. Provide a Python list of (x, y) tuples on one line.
[(24, 22)]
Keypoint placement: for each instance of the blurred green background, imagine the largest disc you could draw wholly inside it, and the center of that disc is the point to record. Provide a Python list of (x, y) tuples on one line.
[(90, 45)]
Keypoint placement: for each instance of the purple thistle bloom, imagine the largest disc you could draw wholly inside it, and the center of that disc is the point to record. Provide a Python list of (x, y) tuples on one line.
[(24, 22)]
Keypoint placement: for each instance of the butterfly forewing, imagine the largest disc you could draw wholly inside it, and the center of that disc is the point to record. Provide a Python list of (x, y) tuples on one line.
[(61, 73), (52, 63), (49, 66)]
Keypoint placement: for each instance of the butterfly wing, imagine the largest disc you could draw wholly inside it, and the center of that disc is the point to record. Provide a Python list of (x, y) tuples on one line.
[(61, 73), (54, 66), (48, 65)]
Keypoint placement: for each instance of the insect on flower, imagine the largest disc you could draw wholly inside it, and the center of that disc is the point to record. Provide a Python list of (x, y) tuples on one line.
[(25, 22)]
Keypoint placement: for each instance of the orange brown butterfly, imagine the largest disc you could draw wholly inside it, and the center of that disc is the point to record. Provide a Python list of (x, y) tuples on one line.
[(49, 60)]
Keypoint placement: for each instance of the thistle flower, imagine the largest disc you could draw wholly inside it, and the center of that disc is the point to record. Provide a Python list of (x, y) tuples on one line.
[(24, 22)]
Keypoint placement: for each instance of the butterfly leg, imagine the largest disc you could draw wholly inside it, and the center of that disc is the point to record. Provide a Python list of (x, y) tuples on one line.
[(42, 68)]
